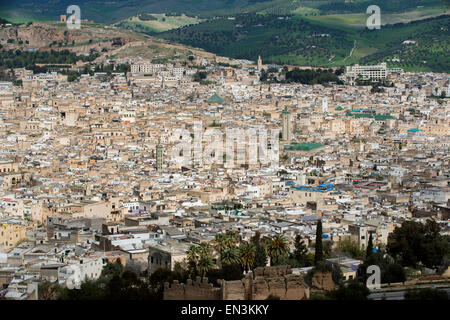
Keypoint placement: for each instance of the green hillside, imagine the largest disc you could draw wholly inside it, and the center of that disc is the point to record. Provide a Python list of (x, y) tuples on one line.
[(155, 23), (299, 32), (298, 40), (107, 11)]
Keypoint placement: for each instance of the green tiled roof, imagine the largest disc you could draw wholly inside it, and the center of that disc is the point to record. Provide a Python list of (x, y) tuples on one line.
[(376, 117), (303, 146), (285, 111), (215, 98)]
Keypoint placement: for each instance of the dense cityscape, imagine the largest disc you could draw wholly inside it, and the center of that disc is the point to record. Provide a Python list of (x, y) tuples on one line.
[(136, 168)]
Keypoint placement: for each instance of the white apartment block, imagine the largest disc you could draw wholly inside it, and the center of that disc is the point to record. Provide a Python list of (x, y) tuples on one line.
[(374, 73), (161, 70), (146, 68)]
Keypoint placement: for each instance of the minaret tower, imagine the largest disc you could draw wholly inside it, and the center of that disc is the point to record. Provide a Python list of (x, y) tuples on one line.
[(159, 156), (259, 63), (286, 118)]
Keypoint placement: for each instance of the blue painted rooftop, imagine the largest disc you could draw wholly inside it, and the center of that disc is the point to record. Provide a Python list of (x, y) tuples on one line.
[(319, 188)]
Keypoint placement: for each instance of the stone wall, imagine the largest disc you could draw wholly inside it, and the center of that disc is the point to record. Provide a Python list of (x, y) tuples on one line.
[(193, 290), (323, 281), (277, 281), (258, 285)]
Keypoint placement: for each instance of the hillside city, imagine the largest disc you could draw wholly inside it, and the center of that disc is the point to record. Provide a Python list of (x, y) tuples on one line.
[(203, 177)]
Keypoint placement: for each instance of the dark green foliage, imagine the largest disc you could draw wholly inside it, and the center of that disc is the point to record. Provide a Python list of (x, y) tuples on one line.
[(4, 21), (260, 251), (49, 291), (353, 290), (21, 59), (127, 287), (343, 6), (277, 248), (300, 252), (89, 290), (160, 276), (105, 11), (415, 243), (111, 270), (115, 283), (199, 76), (72, 78), (311, 76), (297, 41), (426, 294), (391, 272), (349, 247), (369, 249), (327, 248), (147, 17), (318, 255), (228, 273), (432, 43), (339, 71), (376, 89), (250, 35)]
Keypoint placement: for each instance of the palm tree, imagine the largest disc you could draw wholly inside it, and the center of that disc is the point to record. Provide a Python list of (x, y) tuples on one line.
[(200, 258), (205, 264), (247, 256), (205, 249), (277, 247), (220, 244), (193, 256), (231, 239), (230, 256)]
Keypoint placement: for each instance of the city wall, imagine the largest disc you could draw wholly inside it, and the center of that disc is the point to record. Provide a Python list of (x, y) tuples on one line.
[(258, 285)]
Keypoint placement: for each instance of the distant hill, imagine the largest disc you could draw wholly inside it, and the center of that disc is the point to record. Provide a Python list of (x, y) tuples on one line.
[(156, 22), (299, 32), (4, 21), (107, 11), (296, 40)]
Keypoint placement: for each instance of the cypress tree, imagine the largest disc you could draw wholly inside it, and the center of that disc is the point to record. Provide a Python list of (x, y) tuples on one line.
[(260, 250), (300, 251), (318, 256), (260, 256), (369, 246)]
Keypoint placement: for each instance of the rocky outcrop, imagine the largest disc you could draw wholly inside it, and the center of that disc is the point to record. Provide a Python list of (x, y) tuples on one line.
[(42, 35)]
